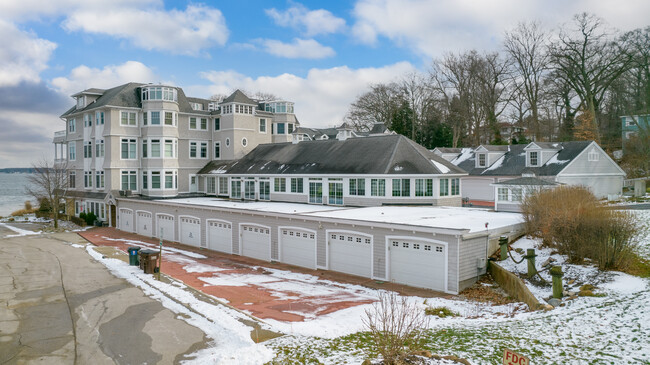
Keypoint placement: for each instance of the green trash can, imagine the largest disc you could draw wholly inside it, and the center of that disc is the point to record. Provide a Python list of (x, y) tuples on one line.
[(133, 256)]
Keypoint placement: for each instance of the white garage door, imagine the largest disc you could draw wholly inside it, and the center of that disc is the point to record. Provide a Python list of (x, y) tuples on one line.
[(256, 242), (143, 223), (298, 247), (220, 236), (416, 263), (166, 224), (190, 233), (126, 220), (350, 253)]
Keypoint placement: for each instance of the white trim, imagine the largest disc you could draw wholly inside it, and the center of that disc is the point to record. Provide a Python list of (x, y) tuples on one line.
[(328, 232), (241, 235), (280, 228), (415, 238)]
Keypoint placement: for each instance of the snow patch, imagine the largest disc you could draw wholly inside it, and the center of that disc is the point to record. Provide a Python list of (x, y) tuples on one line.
[(554, 160), (443, 169), (465, 154)]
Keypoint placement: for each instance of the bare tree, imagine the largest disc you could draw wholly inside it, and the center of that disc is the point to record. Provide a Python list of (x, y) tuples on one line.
[(526, 46), (396, 327), (589, 59), (49, 182), (493, 76), (419, 97), (375, 106)]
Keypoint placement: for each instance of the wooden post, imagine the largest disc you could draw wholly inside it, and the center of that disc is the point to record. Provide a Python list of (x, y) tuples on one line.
[(530, 256), (556, 273), (160, 255), (503, 243)]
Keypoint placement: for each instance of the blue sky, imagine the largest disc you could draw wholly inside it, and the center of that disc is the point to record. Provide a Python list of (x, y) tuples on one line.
[(321, 55)]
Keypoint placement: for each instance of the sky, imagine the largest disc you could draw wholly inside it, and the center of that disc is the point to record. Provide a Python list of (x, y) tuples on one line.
[(319, 54)]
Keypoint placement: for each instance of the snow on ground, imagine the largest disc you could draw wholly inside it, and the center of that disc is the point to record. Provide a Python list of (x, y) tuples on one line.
[(154, 246), (19, 231)]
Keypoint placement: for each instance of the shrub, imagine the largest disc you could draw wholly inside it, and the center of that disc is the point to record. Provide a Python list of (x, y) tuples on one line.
[(396, 327), (90, 218), (572, 220), (441, 312), (28, 205)]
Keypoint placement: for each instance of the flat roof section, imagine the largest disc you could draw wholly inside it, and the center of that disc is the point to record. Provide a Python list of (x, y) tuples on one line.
[(471, 219)]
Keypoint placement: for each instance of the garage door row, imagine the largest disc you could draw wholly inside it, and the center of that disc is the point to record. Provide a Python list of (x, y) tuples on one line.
[(411, 261)]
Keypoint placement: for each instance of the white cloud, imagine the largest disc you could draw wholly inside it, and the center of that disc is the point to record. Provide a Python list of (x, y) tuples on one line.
[(322, 98), (299, 48), (311, 22), (431, 27), (19, 10), (22, 55), (84, 77), (175, 31)]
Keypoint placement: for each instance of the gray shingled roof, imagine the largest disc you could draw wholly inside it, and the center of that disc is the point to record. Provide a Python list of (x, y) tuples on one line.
[(514, 161), (126, 95), (526, 180), (239, 97), (448, 150), (393, 154), (495, 148)]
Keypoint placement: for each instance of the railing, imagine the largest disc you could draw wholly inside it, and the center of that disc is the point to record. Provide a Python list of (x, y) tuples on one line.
[(59, 133)]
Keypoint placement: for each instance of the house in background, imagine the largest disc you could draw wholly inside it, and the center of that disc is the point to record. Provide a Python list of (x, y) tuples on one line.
[(510, 193), (630, 126), (572, 163)]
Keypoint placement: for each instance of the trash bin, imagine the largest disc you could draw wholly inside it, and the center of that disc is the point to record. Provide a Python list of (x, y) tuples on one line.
[(149, 261), (133, 256)]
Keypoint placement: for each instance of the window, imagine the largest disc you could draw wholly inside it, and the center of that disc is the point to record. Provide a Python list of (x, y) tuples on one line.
[(196, 106), (211, 185), (145, 153), (502, 194), (533, 158), (159, 93), (155, 118), (169, 180), (217, 150), (128, 118), (88, 120), (76, 208), (315, 191), (593, 155), (88, 149), (72, 179), (335, 191), (629, 121), (144, 118), (192, 122), (169, 148), (235, 188), (129, 181), (444, 187), (204, 149), (72, 125), (296, 185), (169, 118), (280, 128), (377, 187), (515, 194), (279, 185), (227, 142), (249, 189), (265, 190), (226, 109), (155, 179), (217, 124), (401, 187), (358, 187), (193, 146), (99, 179), (155, 148), (129, 149), (482, 159), (262, 125), (423, 187), (455, 187), (244, 142), (81, 102), (290, 128), (72, 151), (88, 179), (223, 186), (99, 148), (204, 124), (145, 180)]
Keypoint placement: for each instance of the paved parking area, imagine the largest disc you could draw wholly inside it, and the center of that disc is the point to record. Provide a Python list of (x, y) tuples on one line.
[(264, 289)]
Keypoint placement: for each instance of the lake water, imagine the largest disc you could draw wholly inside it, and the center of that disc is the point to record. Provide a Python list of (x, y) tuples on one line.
[(12, 193)]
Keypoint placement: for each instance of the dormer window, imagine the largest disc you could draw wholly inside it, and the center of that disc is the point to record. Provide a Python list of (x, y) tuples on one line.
[(481, 159), (533, 158), (279, 107), (196, 106), (81, 102), (159, 93)]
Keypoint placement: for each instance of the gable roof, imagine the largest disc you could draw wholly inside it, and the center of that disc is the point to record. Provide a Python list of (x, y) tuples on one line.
[(391, 154), (126, 95), (239, 97), (527, 181), (513, 162)]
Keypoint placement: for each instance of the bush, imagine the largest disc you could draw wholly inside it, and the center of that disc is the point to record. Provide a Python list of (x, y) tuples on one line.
[(28, 205), (90, 218), (571, 220), (78, 220), (396, 328), (441, 312)]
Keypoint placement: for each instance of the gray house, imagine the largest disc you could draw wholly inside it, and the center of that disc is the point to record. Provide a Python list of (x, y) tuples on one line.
[(572, 163)]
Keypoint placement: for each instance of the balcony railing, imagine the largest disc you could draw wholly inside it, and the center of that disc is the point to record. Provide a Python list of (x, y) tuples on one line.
[(59, 133)]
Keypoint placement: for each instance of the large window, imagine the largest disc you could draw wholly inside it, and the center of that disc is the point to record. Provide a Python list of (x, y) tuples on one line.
[(128, 118), (198, 149), (170, 150), (129, 149), (155, 118), (169, 180), (88, 149), (335, 191), (235, 188), (88, 179), (358, 187), (99, 179), (159, 93), (455, 187), (315, 191), (72, 125), (99, 118), (377, 187), (155, 179), (99, 148), (265, 189), (169, 118), (211, 185), (72, 179), (279, 128), (249, 189), (296, 185), (88, 120), (72, 152), (444, 187), (423, 187), (401, 187), (129, 180), (279, 185), (223, 185)]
